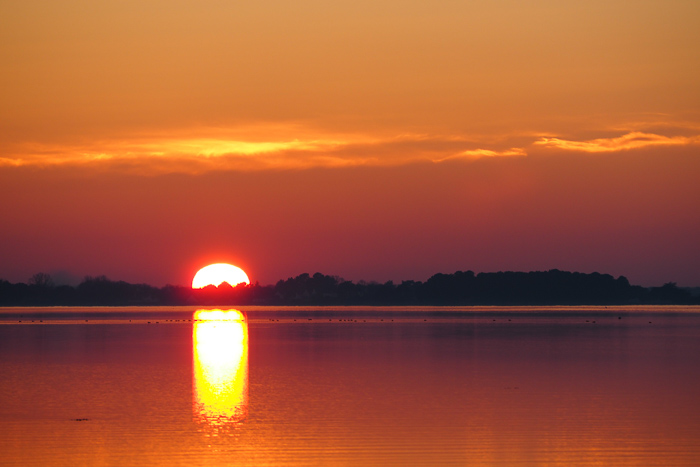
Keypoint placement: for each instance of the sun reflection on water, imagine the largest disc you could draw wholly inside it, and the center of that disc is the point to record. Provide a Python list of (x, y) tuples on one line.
[(220, 370)]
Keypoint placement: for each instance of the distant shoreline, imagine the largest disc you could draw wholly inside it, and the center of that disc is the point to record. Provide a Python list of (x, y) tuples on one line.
[(463, 288)]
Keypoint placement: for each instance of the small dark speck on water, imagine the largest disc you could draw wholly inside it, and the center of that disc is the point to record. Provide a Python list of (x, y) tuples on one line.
[(81, 419)]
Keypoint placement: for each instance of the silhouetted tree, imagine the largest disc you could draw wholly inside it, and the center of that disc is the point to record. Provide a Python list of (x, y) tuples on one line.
[(461, 288), (41, 279), (669, 293)]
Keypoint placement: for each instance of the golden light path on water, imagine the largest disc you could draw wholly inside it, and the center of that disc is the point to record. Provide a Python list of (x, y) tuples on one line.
[(220, 370)]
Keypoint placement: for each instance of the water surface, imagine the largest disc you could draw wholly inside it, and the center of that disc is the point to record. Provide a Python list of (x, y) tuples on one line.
[(340, 386)]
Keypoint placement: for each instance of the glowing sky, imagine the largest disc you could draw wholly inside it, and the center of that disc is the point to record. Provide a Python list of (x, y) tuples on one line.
[(368, 139)]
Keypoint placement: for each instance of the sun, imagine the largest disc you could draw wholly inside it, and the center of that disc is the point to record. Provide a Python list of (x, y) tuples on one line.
[(216, 274)]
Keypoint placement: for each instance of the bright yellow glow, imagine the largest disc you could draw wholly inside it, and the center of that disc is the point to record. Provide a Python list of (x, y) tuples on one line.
[(216, 274), (220, 371)]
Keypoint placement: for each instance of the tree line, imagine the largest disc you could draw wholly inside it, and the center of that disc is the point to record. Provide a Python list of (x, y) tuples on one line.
[(552, 287)]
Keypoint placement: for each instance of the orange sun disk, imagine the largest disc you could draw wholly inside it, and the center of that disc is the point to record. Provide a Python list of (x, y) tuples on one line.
[(216, 274)]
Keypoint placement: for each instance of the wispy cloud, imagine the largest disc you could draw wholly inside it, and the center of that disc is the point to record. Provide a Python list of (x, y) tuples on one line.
[(268, 147), (479, 153), (194, 153), (632, 140)]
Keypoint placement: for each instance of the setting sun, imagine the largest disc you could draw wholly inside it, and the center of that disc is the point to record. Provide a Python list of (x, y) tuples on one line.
[(216, 274)]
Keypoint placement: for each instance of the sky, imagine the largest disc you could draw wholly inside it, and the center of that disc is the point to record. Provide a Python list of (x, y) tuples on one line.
[(372, 140)]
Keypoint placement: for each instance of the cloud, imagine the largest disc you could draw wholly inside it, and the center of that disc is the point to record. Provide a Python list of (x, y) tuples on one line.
[(217, 149), (479, 153), (295, 147), (632, 140)]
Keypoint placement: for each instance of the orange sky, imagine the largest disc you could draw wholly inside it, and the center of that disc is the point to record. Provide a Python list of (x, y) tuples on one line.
[(373, 140)]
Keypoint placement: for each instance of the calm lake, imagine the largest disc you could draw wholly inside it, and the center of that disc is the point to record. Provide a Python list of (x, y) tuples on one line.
[(350, 386)]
